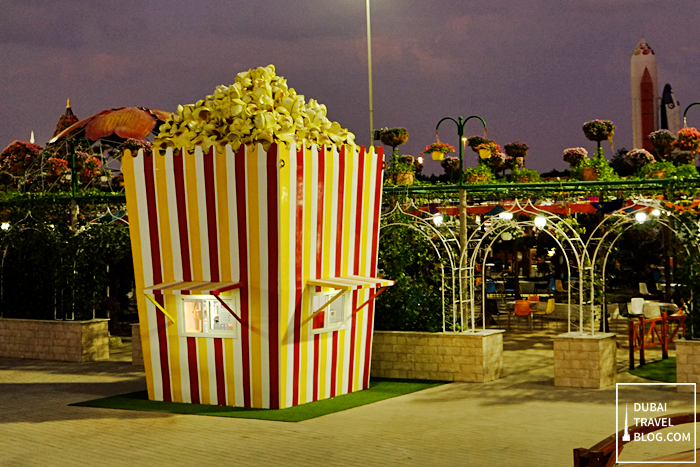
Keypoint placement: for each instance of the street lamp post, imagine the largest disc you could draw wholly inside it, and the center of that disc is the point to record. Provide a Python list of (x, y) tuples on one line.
[(369, 68), (462, 192), (685, 123)]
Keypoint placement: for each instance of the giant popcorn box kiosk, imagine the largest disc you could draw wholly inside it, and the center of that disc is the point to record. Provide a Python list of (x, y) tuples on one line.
[(255, 272)]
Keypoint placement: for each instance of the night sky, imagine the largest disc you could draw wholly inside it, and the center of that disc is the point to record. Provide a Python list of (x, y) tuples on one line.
[(534, 70)]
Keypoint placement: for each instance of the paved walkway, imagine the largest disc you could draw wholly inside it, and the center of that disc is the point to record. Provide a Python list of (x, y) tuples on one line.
[(519, 420)]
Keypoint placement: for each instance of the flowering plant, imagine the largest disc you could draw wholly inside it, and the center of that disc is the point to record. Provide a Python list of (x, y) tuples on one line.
[(514, 163), (639, 157), (439, 147), (598, 130), (57, 166), (450, 164), (574, 156), (134, 145), (661, 136), (489, 146), (18, 156), (516, 149), (393, 136), (688, 139), (682, 158), (497, 161), (474, 141), (64, 122)]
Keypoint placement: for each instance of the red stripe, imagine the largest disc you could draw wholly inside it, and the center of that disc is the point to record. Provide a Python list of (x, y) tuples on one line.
[(180, 201), (317, 376), (334, 364), (358, 215), (220, 376), (193, 370), (243, 265), (273, 275), (373, 266), (210, 196), (299, 259), (153, 234)]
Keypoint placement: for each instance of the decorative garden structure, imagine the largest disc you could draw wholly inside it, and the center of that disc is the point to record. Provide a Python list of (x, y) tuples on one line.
[(571, 348), (254, 272)]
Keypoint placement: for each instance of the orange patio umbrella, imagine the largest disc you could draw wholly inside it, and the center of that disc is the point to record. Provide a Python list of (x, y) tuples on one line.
[(123, 122)]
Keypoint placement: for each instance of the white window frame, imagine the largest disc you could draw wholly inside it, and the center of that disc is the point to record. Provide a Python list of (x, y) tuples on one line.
[(343, 306), (233, 301)]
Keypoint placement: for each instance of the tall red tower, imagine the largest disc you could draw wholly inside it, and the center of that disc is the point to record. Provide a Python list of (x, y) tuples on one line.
[(645, 105)]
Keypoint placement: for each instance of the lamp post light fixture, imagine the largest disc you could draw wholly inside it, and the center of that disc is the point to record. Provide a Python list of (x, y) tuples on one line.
[(540, 222), (656, 213), (641, 217), (505, 215), (369, 69)]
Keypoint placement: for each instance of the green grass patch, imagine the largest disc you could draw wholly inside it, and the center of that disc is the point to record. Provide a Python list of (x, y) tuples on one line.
[(379, 389), (663, 370)]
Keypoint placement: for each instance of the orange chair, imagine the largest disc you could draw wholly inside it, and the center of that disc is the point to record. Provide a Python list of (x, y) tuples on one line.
[(523, 310)]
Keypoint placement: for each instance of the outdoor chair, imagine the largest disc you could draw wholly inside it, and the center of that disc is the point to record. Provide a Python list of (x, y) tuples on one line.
[(623, 310), (643, 289), (547, 313), (523, 310), (490, 287)]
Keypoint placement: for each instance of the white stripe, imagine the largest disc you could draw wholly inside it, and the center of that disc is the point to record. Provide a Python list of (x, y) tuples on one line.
[(202, 208), (184, 370), (264, 276), (353, 208), (233, 216), (141, 199), (310, 376)]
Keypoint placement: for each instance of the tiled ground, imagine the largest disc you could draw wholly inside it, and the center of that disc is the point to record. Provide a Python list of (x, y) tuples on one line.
[(519, 420)]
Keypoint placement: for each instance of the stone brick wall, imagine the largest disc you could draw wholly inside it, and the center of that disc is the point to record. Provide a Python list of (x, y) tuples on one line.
[(585, 361), (68, 341), (687, 364), (136, 350), (476, 357)]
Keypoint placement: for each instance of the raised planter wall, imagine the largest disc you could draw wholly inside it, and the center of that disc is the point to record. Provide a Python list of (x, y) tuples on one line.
[(66, 341), (469, 357), (687, 364), (585, 361)]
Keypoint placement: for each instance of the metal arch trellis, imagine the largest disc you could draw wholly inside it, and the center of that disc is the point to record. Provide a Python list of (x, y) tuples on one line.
[(399, 210), (622, 223), (502, 224)]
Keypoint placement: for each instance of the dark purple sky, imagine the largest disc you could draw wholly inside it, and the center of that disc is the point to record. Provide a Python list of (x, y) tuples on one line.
[(534, 70)]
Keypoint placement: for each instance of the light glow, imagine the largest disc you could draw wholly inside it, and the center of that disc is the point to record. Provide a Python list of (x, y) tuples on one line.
[(5, 226), (540, 221), (640, 217), (506, 215), (656, 213)]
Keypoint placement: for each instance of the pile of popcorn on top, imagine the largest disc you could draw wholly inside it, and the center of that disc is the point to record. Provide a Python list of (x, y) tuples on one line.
[(258, 108)]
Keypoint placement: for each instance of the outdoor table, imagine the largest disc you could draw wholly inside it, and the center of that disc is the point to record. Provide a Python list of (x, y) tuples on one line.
[(652, 309)]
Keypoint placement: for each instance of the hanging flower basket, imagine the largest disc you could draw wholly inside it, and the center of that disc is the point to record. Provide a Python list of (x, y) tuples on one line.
[(598, 130), (574, 156), (438, 150), (450, 164), (516, 149), (688, 139), (487, 149), (393, 138)]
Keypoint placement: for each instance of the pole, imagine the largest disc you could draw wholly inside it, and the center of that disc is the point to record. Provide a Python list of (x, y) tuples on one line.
[(369, 68)]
